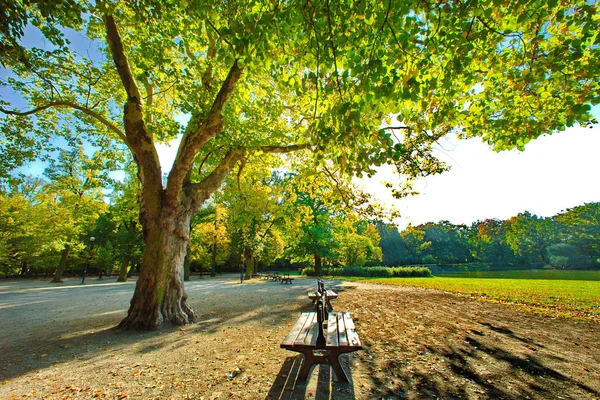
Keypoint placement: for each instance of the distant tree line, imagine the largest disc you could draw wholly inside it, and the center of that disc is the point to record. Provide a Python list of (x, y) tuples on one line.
[(263, 218), (568, 240)]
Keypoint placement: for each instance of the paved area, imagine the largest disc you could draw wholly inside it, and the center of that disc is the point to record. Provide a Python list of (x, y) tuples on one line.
[(32, 308)]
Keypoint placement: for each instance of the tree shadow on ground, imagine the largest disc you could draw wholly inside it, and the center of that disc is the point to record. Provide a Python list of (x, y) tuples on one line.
[(321, 383), (529, 377)]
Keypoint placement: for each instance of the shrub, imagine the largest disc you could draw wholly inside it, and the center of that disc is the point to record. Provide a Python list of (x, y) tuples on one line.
[(308, 271), (382, 272)]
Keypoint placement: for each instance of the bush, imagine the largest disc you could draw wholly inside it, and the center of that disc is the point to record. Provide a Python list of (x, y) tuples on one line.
[(382, 272), (308, 271)]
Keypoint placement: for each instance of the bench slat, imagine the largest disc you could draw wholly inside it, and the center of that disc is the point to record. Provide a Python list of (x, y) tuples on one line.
[(332, 330), (303, 337), (342, 336), (296, 329), (351, 333)]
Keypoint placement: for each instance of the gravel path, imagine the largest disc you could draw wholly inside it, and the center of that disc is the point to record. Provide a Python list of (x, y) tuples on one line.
[(58, 341)]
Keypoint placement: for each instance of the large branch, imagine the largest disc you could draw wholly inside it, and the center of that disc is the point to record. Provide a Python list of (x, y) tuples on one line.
[(138, 137), (199, 132), (282, 149), (200, 192), (120, 59), (103, 120)]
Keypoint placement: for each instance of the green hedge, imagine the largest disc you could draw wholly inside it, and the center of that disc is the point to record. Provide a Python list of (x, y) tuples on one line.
[(376, 272)]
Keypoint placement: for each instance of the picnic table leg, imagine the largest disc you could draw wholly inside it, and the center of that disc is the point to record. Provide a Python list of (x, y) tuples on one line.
[(334, 361), (307, 364)]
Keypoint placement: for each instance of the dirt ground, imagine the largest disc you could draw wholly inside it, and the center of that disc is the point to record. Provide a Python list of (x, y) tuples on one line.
[(58, 342)]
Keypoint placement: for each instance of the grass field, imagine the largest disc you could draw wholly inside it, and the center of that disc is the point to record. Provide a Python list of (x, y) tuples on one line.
[(564, 297), (530, 274)]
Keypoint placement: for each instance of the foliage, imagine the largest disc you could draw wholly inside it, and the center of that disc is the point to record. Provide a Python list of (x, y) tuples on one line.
[(529, 236), (308, 271), (581, 227), (565, 256), (383, 272)]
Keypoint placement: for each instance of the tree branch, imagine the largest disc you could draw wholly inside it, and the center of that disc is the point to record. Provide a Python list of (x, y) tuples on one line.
[(281, 149), (200, 192), (199, 132), (120, 59), (138, 138), (103, 120)]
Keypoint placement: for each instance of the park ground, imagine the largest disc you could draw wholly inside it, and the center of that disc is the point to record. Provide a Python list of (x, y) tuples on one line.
[(58, 341)]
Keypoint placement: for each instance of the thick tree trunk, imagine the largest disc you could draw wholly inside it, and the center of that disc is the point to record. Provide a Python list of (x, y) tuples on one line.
[(160, 297), (123, 272), (318, 262), (63, 263)]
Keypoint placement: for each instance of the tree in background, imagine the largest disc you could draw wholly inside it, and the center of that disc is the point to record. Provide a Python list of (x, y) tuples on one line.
[(358, 243), (529, 236), (210, 241), (580, 227), (391, 243), (487, 241), (282, 77), (77, 200), (256, 200)]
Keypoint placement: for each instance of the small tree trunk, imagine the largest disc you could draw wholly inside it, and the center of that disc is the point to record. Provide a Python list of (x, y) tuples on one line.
[(123, 272), (318, 262), (213, 259), (250, 264), (186, 268), (24, 268), (160, 297), (62, 264)]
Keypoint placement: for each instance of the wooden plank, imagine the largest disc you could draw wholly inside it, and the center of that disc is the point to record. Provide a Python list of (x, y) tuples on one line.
[(311, 320), (353, 339), (296, 329), (332, 330), (342, 336)]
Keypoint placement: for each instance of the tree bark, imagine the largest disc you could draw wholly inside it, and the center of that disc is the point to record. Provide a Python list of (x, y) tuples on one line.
[(123, 272), (318, 262), (160, 297), (62, 264), (24, 268), (250, 263), (186, 267)]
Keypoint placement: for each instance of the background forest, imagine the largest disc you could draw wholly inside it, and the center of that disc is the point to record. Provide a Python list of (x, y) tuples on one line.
[(264, 218)]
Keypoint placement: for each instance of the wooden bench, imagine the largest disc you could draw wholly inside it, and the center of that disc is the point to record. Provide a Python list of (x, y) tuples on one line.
[(275, 277), (329, 294), (286, 279), (268, 275), (323, 336)]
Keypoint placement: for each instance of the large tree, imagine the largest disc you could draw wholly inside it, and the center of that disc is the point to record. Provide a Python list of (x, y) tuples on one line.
[(284, 76)]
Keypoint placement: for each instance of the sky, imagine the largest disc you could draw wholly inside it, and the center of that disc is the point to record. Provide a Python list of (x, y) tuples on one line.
[(554, 173)]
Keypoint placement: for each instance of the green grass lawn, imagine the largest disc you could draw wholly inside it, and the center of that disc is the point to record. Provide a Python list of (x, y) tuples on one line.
[(571, 298)]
